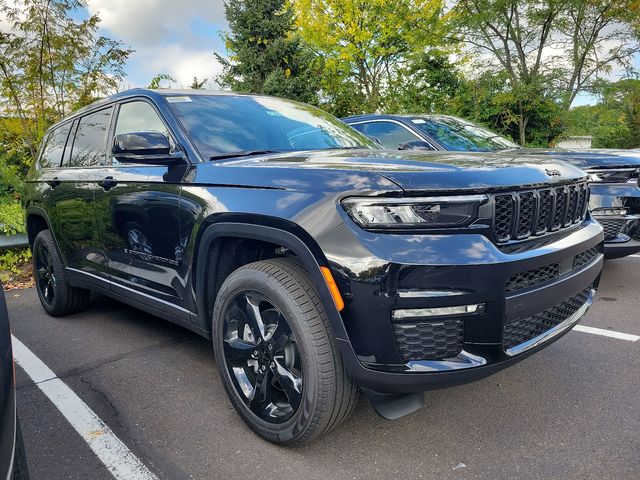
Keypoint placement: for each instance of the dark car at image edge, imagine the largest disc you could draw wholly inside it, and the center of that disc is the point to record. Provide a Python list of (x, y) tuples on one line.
[(13, 465), (315, 261), (614, 175)]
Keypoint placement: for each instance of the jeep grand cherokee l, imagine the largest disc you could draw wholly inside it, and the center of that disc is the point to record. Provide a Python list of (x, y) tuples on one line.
[(315, 261), (613, 174)]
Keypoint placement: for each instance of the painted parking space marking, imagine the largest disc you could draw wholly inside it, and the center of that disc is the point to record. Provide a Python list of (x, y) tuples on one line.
[(114, 454), (635, 255), (607, 333)]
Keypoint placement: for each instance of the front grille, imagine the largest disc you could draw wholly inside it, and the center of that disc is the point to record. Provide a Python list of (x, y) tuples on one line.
[(584, 257), (612, 227), (519, 215), (533, 277), (429, 340), (525, 329)]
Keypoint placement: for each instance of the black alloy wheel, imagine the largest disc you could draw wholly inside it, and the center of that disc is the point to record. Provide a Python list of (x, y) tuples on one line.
[(45, 275), (262, 357), (276, 353), (56, 295)]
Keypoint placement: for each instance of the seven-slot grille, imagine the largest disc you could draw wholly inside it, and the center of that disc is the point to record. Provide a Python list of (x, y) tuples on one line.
[(519, 215)]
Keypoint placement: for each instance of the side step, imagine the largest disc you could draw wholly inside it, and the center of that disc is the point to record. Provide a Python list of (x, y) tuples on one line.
[(392, 406)]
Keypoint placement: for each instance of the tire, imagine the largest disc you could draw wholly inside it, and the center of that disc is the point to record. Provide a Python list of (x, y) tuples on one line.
[(57, 297), (309, 391), (20, 468)]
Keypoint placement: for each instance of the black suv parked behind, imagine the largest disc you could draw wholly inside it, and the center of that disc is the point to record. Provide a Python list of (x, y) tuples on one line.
[(315, 261), (613, 174)]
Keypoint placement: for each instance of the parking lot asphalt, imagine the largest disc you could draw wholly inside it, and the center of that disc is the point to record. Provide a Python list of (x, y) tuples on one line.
[(571, 411)]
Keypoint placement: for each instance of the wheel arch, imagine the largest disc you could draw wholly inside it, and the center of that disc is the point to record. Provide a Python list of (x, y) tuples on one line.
[(36, 221), (281, 233)]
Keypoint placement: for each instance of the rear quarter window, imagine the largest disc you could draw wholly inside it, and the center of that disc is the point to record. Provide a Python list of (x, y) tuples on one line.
[(90, 141), (53, 147)]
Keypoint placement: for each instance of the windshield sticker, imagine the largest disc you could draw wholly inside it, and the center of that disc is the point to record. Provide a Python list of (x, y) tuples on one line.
[(178, 99), (418, 120), (273, 113)]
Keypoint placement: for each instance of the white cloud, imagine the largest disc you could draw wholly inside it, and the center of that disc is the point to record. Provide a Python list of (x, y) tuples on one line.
[(170, 37), (148, 22), (178, 61)]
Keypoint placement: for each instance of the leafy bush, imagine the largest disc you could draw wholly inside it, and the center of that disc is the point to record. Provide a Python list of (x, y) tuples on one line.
[(14, 264), (11, 218)]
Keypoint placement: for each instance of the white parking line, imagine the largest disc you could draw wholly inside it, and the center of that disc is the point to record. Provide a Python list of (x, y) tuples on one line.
[(120, 461), (607, 333)]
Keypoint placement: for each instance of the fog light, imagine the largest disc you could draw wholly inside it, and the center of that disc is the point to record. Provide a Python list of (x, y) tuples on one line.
[(437, 311), (605, 212)]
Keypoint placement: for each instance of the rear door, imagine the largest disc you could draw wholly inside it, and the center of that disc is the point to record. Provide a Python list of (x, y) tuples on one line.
[(76, 183), (138, 214)]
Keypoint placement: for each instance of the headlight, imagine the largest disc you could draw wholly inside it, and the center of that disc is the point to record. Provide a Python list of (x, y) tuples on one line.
[(618, 175), (419, 212)]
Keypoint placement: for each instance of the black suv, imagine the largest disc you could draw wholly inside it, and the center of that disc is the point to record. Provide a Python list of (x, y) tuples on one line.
[(315, 261), (13, 465), (614, 175)]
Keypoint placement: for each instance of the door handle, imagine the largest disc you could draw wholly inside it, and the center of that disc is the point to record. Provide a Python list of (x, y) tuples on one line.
[(108, 183), (54, 182)]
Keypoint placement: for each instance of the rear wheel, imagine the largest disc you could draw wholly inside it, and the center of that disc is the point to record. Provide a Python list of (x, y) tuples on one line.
[(276, 354), (56, 295)]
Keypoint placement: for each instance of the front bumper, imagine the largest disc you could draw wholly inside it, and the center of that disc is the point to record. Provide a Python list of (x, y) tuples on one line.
[(550, 284), (621, 232)]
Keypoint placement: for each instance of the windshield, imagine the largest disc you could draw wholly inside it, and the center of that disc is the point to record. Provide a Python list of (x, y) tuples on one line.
[(458, 135), (220, 124)]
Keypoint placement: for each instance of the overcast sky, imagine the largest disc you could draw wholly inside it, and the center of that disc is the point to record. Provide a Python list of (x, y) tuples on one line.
[(177, 37)]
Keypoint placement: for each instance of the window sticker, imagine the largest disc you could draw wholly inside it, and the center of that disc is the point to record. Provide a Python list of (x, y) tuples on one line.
[(273, 113), (178, 99), (418, 121)]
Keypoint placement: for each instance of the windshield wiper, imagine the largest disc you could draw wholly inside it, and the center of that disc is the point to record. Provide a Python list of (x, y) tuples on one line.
[(242, 153)]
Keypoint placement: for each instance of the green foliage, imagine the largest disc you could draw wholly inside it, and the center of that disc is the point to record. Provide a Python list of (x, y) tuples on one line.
[(12, 264), (156, 82), (587, 39), (614, 122), (11, 218), (51, 63), (265, 53), (367, 47), (428, 84), (490, 101)]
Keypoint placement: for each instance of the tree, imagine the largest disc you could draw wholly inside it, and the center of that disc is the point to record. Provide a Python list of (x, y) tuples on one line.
[(51, 64), (156, 82), (614, 122), (547, 47), (489, 100), (265, 53), (366, 45), (427, 84)]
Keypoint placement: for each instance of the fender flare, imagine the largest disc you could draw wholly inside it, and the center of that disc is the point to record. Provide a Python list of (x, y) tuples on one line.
[(273, 235)]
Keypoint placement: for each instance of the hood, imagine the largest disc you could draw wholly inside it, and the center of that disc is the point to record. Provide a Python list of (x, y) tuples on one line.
[(593, 158), (411, 171)]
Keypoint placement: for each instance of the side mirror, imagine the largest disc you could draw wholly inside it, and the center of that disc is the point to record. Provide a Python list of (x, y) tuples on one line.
[(376, 140), (152, 148), (415, 145)]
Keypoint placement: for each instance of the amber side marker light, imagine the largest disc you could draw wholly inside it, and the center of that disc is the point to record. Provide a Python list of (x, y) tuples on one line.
[(333, 288)]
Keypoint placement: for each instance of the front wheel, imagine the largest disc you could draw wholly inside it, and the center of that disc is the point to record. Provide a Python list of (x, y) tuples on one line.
[(276, 354)]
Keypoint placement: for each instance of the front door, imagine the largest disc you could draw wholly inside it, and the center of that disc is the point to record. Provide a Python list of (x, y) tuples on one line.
[(138, 215)]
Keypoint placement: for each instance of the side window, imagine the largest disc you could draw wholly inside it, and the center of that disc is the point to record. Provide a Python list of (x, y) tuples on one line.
[(390, 134), (53, 148), (139, 117), (90, 143)]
